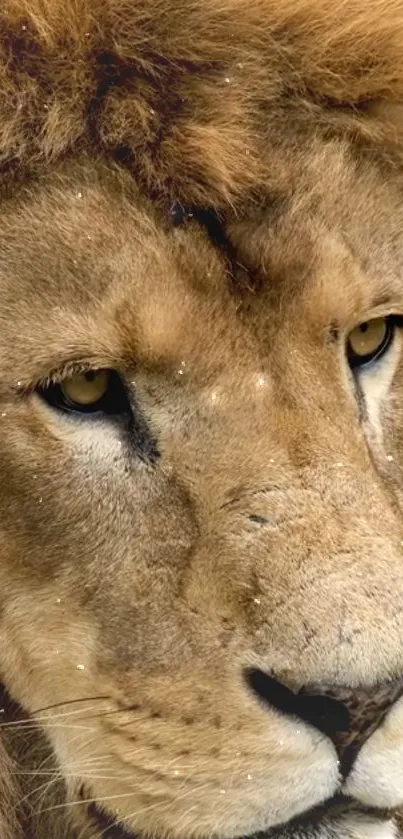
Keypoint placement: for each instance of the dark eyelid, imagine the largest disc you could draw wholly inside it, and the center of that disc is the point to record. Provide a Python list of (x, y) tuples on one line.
[(57, 374), (73, 367), (70, 369)]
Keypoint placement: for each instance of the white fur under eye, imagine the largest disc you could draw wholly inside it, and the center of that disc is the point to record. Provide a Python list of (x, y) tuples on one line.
[(375, 381)]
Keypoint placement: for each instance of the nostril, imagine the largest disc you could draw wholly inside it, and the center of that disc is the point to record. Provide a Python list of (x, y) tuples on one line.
[(323, 712), (347, 715)]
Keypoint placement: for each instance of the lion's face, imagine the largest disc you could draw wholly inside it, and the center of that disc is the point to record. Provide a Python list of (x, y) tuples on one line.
[(222, 536)]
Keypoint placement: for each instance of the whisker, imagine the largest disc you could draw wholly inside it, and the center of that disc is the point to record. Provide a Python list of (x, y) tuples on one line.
[(80, 802), (70, 702), (86, 775), (34, 720), (55, 725), (134, 813), (38, 789)]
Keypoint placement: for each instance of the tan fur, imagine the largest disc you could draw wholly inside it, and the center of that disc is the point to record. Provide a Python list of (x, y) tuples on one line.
[(135, 589)]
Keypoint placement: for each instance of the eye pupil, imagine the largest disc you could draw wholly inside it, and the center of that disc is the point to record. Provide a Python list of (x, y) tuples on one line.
[(363, 327)]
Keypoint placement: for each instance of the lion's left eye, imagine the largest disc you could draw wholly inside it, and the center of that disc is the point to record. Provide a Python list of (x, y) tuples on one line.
[(94, 391), (369, 341)]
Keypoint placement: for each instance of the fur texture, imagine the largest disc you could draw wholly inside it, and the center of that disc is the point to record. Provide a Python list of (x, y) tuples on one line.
[(191, 95), (250, 512)]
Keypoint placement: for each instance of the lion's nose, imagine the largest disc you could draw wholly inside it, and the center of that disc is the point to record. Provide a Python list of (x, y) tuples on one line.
[(347, 715)]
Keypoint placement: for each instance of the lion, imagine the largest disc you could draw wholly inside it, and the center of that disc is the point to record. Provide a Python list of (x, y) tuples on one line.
[(201, 447)]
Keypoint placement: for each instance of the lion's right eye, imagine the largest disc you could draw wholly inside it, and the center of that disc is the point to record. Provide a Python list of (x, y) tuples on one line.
[(369, 341), (91, 392)]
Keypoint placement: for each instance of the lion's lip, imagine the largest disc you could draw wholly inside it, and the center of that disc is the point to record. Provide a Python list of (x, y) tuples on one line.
[(339, 805), (336, 806)]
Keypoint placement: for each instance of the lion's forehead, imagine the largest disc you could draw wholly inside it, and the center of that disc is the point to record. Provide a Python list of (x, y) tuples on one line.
[(101, 269)]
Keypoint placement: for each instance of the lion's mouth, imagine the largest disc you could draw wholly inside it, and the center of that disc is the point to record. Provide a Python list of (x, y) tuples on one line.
[(112, 829), (308, 823)]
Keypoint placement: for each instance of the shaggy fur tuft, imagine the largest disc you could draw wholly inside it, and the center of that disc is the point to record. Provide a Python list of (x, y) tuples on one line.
[(191, 94)]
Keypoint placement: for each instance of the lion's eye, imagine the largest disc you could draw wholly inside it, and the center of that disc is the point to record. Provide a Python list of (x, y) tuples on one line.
[(369, 341), (85, 389), (95, 391)]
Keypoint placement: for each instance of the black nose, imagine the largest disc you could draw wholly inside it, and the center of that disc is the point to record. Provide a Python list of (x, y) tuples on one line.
[(347, 715)]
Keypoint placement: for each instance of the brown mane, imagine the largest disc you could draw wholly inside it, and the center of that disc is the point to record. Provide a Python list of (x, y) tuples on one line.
[(190, 94)]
